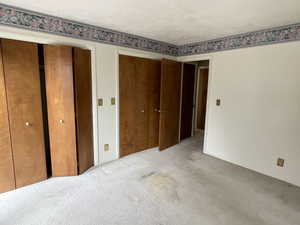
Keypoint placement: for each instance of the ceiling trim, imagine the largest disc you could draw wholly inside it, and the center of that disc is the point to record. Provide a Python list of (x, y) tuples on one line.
[(251, 39), (35, 21)]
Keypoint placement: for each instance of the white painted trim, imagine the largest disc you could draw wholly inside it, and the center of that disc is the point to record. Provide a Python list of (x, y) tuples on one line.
[(209, 90), (94, 107), (117, 53), (140, 54), (203, 67), (194, 58)]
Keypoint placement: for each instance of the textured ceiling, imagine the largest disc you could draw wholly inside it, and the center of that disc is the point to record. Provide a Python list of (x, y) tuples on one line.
[(174, 21)]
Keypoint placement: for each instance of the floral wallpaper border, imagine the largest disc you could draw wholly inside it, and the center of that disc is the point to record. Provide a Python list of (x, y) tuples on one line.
[(251, 39), (34, 21)]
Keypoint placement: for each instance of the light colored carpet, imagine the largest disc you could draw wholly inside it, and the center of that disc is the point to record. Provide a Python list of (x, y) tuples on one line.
[(179, 186)]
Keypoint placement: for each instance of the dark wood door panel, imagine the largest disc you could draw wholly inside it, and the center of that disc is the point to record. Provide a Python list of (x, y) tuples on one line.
[(187, 101), (61, 109), (21, 68), (84, 119), (169, 103), (154, 70), (7, 176), (127, 98), (139, 82), (141, 103), (202, 98)]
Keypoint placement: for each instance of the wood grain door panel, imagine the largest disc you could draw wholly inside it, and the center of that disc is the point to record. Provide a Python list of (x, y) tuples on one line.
[(7, 175), (61, 109), (84, 118), (202, 98), (127, 100), (187, 101), (141, 103), (139, 82), (169, 103), (154, 70), (21, 68)]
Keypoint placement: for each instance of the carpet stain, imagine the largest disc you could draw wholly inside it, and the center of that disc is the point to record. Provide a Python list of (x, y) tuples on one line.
[(161, 185), (148, 175), (195, 156)]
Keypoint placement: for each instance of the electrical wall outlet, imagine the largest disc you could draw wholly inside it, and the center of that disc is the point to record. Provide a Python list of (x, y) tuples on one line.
[(218, 102), (106, 147), (280, 162)]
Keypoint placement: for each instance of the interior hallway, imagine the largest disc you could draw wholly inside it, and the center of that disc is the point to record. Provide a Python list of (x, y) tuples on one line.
[(178, 186)]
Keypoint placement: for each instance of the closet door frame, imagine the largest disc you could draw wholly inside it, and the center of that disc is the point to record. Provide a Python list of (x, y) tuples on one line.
[(126, 53)]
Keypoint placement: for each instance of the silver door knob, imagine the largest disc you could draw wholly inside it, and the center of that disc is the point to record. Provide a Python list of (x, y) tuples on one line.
[(142, 111), (28, 124), (61, 121)]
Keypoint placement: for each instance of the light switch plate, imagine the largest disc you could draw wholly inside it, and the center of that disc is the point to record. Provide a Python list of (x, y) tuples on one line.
[(100, 102), (218, 102), (113, 101), (106, 147)]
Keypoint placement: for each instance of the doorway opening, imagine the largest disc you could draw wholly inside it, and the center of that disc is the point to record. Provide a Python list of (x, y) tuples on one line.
[(194, 100)]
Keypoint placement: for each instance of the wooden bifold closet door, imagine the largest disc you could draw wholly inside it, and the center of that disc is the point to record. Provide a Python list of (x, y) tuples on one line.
[(169, 103), (139, 82), (22, 80), (68, 85), (83, 108), (154, 70), (141, 104), (61, 109), (7, 175)]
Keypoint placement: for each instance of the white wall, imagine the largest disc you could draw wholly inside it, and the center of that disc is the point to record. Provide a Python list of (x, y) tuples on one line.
[(259, 117), (104, 79)]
